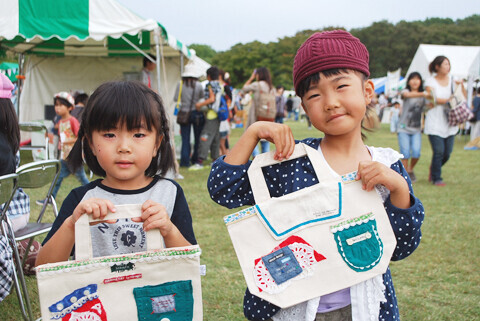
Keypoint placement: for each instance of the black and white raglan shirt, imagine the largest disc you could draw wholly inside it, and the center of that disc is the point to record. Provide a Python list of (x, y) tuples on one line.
[(126, 236)]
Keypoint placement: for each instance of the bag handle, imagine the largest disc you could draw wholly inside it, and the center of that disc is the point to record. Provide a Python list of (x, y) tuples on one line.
[(83, 237), (257, 180)]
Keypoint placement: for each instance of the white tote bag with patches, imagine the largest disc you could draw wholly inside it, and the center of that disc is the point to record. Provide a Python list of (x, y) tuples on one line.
[(311, 242), (158, 284)]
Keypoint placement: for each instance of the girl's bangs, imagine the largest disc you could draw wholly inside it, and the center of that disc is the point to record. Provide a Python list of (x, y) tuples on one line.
[(122, 105)]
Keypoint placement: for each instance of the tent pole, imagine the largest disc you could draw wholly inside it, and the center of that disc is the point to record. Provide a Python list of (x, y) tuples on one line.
[(156, 35), (19, 82), (157, 62), (138, 49), (181, 63)]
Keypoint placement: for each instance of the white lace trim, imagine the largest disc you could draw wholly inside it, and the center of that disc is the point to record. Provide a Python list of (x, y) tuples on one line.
[(306, 259), (366, 298), (387, 157)]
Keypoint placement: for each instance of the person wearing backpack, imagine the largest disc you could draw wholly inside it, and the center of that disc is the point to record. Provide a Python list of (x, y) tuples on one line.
[(263, 103), (210, 136)]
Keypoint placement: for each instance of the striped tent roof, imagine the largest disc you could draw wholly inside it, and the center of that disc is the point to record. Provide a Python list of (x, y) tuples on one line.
[(79, 28)]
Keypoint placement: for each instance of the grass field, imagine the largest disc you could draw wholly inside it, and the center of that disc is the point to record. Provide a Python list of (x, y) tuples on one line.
[(439, 281)]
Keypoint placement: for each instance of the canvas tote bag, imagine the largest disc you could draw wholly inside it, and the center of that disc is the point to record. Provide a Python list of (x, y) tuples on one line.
[(159, 284), (312, 242)]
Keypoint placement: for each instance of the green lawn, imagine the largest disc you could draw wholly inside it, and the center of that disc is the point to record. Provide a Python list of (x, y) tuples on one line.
[(439, 281)]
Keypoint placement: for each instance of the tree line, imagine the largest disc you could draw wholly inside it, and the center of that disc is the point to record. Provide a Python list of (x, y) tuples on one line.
[(391, 46)]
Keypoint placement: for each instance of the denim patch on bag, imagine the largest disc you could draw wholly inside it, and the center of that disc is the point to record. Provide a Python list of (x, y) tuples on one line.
[(171, 300), (282, 265)]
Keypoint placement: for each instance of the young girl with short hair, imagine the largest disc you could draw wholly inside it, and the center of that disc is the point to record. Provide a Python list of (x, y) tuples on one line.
[(330, 75), (124, 137)]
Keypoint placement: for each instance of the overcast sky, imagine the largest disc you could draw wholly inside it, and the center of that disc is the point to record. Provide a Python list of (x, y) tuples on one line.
[(224, 23)]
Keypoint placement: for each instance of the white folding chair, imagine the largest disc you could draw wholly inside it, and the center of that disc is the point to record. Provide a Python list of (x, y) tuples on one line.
[(8, 186), (36, 127), (37, 175)]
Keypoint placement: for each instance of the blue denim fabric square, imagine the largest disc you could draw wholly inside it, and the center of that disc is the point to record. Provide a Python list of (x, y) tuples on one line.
[(282, 265)]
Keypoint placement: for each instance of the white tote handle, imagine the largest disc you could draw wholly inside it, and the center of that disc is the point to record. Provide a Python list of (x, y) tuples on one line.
[(257, 180), (83, 238)]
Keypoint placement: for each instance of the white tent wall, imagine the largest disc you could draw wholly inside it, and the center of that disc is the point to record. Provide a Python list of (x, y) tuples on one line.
[(46, 76)]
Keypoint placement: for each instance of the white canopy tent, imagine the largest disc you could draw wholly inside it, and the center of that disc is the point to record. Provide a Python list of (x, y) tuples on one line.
[(100, 40), (464, 61)]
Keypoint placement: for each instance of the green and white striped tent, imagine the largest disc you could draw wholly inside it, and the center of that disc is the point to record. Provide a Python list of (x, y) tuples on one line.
[(78, 44)]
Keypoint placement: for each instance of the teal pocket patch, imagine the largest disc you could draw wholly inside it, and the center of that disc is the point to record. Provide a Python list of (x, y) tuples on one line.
[(358, 242), (171, 300)]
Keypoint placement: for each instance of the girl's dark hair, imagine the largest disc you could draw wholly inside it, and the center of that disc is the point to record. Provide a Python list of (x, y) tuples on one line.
[(9, 124), (264, 74), (369, 121), (432, 67), (413, 75), (129, 103)]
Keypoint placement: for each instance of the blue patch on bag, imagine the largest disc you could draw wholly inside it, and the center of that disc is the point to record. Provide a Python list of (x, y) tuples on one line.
[(282, 265), (358, 242)]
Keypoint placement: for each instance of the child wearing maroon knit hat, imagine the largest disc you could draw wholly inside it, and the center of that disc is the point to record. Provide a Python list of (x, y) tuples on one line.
[(330, 75)]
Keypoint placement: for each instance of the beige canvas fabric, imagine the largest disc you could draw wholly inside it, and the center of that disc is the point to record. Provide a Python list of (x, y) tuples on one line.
[(330, 227), (115, 287)]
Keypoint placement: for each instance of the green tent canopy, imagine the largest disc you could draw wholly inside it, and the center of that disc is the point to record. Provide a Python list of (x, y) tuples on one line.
[(72, 45), (79, 27), (10, 69)]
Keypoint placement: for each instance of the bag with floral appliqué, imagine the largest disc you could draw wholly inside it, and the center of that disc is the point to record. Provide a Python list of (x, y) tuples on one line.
[(312, 242), (158, 284)]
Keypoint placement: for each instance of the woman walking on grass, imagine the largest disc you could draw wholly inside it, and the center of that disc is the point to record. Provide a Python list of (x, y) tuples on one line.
[(440, 134)]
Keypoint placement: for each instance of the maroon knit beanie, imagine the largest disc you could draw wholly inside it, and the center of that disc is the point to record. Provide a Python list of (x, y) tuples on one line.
[(329, 50)]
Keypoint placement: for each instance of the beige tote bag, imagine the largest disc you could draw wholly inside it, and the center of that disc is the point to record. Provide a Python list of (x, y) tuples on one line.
[(312, 242), (159, 284)]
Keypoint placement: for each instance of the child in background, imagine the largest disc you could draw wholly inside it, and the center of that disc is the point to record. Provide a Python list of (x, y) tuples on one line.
[(410, 122), (68, 127), (331, 77), (127, 147), (394, 115), (80, 103)]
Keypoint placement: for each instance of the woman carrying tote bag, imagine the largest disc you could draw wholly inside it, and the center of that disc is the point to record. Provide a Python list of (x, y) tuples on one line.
[(259, 82), (440, 134), (190, 91)]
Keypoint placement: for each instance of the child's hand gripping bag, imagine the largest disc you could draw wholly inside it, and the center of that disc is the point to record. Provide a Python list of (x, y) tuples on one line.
[(159, 284), (311, 242)]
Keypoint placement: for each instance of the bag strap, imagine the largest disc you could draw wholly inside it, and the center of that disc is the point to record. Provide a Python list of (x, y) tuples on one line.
[(83, 237), (179, 98), (257, 180)]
